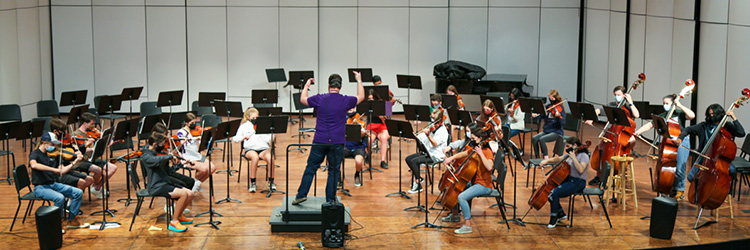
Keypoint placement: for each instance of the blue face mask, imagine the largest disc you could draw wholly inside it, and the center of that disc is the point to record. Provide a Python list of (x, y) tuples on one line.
[(50, 148), (618, 98)]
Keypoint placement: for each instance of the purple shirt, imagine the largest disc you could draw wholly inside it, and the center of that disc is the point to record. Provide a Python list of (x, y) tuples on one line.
[(583, 158), (330, 127)]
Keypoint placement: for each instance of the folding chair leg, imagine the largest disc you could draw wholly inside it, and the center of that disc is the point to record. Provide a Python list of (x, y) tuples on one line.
[(601, 200), (500, 206), (152, 203), (137, 209), (571, 207), (589, 198), (14, 217), (28, 210)]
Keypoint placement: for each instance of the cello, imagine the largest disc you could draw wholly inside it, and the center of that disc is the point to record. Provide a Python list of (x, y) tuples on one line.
[(710, 186), (555, 177), (666, 163), (614, 139), (465, 173)]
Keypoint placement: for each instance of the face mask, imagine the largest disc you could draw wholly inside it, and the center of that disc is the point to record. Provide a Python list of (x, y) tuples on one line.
[(713, 119), (618, 98), (50, 148), (192, 126), (473, 143), (667, 107), (159, 148), (468, 134), (437, 106), (253, 121), (488, 112), (350, 114)]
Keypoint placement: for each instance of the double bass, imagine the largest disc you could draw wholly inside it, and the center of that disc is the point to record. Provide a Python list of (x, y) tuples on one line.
[(555, 177), (710, 185), (666, 163), (614, 139)]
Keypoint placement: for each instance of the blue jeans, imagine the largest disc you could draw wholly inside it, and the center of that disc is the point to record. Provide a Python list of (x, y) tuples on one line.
[(468, 194), (319, 152), (682, 156), (569, 187), (56, 192), (514, 132)]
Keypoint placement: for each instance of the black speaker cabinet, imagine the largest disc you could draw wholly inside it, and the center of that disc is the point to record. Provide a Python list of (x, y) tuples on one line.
[(663, 215), (332, 224), (48, 227)]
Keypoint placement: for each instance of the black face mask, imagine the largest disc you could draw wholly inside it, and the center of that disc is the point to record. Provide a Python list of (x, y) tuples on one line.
[(159, 148), (351, 114), (192, 126), (713, 119), (568, 150), (473, 143), (253, 121)]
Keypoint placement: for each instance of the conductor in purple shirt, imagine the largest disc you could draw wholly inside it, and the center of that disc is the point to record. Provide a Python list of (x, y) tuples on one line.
[(330, 131)]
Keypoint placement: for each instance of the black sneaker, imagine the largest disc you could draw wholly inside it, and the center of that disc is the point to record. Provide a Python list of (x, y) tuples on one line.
[(383, 164), (552, 222), (595, 181)]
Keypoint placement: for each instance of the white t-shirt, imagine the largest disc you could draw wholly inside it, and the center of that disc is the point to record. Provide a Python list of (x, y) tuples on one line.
[(256, 142), (190, 145), (441, 137)]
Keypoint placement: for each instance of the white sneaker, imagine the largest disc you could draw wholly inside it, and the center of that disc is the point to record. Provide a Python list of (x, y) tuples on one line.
[(196, 186), (253, 188), (416, 188), (463, 230), (272, 186), (98, 193)]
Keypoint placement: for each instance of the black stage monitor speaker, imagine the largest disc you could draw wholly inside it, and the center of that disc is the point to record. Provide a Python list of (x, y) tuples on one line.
[(663, 215), (48, 227), (332, 224)]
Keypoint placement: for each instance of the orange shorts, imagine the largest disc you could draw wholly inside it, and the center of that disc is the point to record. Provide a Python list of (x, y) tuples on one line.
[(377, 127)]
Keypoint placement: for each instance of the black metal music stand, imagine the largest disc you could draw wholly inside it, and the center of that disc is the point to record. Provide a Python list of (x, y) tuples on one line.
[(499, 104), (532, 105), (301, 130), (170, 98), (207, 99), (130, 94), (381, 90), (207, 144), (459, 118), (409, 82), (371, 109), (271, 111), (28, 130), (265, 96), (5, 136), (107, 106), (223, 131), (100, 146), (228, 109), (366, 74), (75, 114), (276, 75), (353, 134), (173, 120), (123, 131), (582, 112), (449, 101), (297, 80), (72, 98), (271, 125), (400, 129)]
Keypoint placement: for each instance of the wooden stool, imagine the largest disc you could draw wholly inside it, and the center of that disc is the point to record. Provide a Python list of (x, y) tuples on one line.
[(715, 212), (625, 176)]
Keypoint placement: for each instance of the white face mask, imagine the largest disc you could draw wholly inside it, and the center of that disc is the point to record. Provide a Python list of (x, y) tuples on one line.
[(618, 98), (667, 107), (468, 134)]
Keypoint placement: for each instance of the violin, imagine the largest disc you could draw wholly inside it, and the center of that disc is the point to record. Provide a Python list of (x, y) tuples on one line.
[(555, 177), (463, 175), (616, 139), (513, 106), (198, 130), (356, 119), (127, 157), (666, 164), (491, 124), (711, 184), (67, 153), (94, 133), (460, 102), (556, 108)]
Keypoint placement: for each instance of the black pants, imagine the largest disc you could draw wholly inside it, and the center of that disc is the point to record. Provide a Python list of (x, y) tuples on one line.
[(414, 160), (181, 180)]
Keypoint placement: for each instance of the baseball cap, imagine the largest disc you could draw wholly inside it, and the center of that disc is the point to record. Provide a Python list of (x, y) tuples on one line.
[(50, 137)]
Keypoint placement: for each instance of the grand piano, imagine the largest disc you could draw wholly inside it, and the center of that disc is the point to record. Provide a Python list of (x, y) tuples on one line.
[(490, 83)]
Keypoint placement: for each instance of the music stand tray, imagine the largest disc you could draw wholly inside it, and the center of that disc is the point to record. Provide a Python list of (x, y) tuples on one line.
[(109, 104), (229, 109), (449, 101), (409, 81), (582, 111), (170, 98), (298, 78), (459, 117), (148, 124), (616, 116), (206, 99), (499, 104), (75, 113), (381, 90), (265, 96), (173, 120), (417, 113), (532, 105), (366, 74), (271, 111), (376, 107), (71, 98), (276, 75)]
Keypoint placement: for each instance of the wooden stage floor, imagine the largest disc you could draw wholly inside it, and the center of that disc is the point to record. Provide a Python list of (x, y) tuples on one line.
[(381, 222)]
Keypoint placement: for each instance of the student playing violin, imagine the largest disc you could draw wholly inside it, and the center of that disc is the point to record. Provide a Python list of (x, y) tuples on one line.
[(553, 125)]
